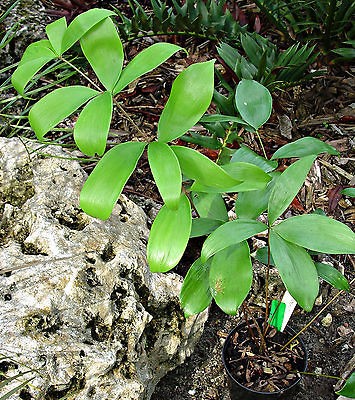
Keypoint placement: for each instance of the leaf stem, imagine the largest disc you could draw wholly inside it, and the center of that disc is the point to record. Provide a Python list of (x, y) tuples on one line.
[(81, 73), (261, 144), (118, 105)]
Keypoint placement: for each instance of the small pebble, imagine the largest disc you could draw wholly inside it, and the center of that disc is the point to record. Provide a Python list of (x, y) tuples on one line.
[(318, 370), (327, 320), (192, 392), (319, 300)]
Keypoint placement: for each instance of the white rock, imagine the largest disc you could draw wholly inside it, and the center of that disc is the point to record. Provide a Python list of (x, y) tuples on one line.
[(80, 305), (327, 320)]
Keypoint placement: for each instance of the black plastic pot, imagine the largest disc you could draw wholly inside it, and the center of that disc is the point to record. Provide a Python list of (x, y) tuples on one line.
[(239, 392)]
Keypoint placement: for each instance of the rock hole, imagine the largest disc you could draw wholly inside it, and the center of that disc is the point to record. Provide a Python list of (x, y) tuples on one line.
[(5, 366), (7, 297), (75, 385), (99, 331), (108, 254), (45, 323), (25, 395), (91, 278), (32, 249), (73, 219)]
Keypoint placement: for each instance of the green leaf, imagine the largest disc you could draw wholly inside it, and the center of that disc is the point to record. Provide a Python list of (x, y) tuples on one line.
[(349, 192), (81, 24), (345, 52), (57, 105), (332, 276), (168, 237), (199, 167), (244, 154), (222, 118), (55, 32), (262, 256), (304, 147), (190, 96), (230, 233), (287, 186), (195, 295), (34, 58), (90, 131), (251, 204), (348, 389), (210, 205), (105, 183), (103, 49), (318, 233), (166, 172), (145, 61), (254, 102), (251, 176), (296, 269), (204, 226), (231, 277)]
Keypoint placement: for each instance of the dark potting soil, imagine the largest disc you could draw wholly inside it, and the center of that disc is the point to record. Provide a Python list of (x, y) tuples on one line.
[(270, 369)]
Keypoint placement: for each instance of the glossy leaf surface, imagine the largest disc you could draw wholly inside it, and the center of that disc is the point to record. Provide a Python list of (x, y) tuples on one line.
[(204, 226), (34, 58), (168, 237), (195, 295), (251, 204), (251, 176), (210, 206), (166, 172), (231, 276), (91, 128), (103, 49), (222, 118), (318, 233), (254, 102), (304, 147), (55, 32), (332, 276), (348, 389), (190, 96), (200, 168), (230, 233), (287, 186), (262, 256), (57, 105), (81, 24), (145, 61), (105, 183), (349, 192), (296, 269), (244, 154)]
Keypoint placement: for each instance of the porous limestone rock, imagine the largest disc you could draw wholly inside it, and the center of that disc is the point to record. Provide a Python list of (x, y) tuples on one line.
[(78, 304)]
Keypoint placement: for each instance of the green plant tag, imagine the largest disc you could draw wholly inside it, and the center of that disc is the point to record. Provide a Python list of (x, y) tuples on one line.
[(277, 312), (280, 312)]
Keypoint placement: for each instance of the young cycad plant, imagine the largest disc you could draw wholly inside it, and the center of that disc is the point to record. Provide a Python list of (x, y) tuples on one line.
[(323, 20), (264, 62), (206, 19)]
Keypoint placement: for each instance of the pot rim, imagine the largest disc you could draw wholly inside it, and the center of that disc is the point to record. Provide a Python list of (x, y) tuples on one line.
[(278, 392)]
